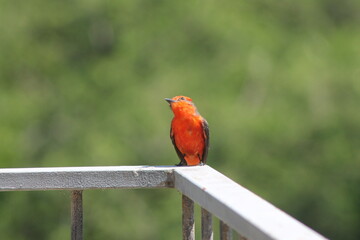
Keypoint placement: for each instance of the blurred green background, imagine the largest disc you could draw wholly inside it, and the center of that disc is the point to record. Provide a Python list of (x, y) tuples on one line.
[(82, 83)]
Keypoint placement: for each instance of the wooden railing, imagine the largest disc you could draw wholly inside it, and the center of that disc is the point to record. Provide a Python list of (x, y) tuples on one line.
[(237, 208)]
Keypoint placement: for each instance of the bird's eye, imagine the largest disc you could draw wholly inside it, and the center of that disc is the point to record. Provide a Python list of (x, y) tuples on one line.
[(182, 98)]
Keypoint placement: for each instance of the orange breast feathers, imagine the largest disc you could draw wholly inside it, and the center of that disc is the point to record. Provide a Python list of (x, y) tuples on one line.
[(189, 138)]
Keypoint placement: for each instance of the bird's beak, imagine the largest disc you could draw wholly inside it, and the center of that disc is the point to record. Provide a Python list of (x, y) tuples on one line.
[(169, 100)]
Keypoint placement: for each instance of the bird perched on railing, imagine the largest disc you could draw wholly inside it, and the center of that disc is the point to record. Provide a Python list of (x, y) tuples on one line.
[(189, 132)]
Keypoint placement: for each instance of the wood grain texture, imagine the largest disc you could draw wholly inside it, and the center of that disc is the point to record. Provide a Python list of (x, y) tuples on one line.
[(76, 215), (225, 231), (206, 225), (188, 221)]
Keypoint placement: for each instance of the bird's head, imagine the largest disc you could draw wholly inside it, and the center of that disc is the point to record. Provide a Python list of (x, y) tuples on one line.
[(182, 104)]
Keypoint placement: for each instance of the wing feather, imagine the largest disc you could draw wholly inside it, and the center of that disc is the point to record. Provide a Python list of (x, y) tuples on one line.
[(180, 154), (205, 126)]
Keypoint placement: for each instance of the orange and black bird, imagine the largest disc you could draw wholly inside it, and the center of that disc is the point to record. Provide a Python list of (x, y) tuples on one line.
[(189, 132)]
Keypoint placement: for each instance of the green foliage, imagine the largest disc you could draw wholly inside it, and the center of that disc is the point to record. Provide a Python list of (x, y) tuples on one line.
[(82, 83)]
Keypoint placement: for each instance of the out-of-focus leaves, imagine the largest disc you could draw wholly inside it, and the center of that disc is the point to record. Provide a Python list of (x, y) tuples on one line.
[(83, 84)]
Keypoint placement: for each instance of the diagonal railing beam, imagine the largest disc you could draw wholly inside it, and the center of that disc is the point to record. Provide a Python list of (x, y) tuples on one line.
[(239, 208)]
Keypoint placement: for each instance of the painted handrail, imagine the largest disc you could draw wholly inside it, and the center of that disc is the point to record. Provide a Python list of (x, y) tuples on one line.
[(237, 208)]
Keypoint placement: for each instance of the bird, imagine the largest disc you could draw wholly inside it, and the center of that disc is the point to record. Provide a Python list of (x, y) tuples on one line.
[(189, 132)]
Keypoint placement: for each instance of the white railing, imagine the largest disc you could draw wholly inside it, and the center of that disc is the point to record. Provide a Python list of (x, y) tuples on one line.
[(237, 208)]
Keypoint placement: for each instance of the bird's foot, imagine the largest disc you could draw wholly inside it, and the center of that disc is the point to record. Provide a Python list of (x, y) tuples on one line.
[(181, 164)]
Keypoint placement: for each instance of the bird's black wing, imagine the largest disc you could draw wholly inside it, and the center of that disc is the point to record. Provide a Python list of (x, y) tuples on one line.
[(205, 126), (180, 154)]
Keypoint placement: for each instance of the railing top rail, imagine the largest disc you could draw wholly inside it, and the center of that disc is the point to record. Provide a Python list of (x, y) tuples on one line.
[(81, 178), (241, 209)]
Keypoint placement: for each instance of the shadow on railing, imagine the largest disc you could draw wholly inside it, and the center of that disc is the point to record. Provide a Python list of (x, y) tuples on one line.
[(236, 207)]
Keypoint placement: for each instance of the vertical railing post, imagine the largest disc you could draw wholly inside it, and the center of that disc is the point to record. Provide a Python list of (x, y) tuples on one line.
[(225, 231), (242, 237), (206, 225), (76, 215), (188, 223)]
